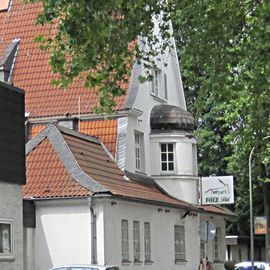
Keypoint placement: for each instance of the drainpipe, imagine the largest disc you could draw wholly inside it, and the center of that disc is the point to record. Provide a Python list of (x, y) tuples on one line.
[(93, 232)]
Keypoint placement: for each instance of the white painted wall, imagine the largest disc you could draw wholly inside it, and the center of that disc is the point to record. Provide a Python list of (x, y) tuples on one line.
[(62, 233), (183, 182), (11, 210), (162, 235)]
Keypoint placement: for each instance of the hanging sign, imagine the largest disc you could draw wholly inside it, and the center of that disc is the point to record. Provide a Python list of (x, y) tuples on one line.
[(217, 190), (260, 225)]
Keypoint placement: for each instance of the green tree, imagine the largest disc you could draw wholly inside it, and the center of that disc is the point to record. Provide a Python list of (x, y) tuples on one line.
[(224, 49), (100, 40)]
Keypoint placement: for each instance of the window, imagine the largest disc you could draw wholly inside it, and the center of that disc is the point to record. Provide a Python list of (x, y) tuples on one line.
[(136, 241), (167, 157), (159, 84), (194, 158), (179, 243), (165, 89), (6, 246), (203, 251), (217, 244), (156, 83), (125, 243), (147, 242), (139, 163)]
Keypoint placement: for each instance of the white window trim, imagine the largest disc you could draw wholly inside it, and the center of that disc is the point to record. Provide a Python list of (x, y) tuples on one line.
[(125, 253), (139, 148), (147, 243), (185, 251), (136, 241), (174, 159), (217, 244), (159, 84), (8, 256)]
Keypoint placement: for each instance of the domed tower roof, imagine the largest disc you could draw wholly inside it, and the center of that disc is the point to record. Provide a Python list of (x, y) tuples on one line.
[(169, 117)]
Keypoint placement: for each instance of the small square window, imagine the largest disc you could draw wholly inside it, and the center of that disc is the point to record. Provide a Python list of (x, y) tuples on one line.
[(6, 242)]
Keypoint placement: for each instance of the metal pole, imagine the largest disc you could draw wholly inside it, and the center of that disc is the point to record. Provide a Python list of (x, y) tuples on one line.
[(251, 211), (251, 208)]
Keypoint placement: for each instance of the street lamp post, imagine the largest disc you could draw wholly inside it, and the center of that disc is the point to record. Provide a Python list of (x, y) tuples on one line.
[(251, 207), (251, 210)]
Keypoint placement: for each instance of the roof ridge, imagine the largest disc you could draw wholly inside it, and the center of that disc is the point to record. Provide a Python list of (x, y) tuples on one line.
[(77, 134)]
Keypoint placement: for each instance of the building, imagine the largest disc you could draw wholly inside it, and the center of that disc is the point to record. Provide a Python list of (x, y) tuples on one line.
[(12, 176), (138, 206)]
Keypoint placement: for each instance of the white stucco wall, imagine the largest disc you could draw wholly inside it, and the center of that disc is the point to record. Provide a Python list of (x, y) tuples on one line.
[(11, 210), (183, 182), (162, 221), (62, 233)]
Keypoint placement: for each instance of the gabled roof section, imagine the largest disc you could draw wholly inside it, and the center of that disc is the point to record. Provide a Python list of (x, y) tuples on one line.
[(64, 163), (33, 73), (68, 162), (103, 129), (7, 60)]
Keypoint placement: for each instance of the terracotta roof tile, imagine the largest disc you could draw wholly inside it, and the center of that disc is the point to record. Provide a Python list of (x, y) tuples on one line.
[(105, 130), (47, 176), (32, 71), (95, 162), (35, 129)]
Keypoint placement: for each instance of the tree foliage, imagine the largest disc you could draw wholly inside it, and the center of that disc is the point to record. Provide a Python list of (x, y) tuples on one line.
[(101, 39), (224, 49)]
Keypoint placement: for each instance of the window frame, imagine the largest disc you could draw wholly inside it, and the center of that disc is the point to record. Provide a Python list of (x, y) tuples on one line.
[(147, 243), (167, 161), (136, 242), (7, 255), (124, 241), (159, 84), (217, 244), (139, 151), (179, 237)]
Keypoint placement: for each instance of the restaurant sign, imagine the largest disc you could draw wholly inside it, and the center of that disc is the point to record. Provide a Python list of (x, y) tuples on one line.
[(217, 190)]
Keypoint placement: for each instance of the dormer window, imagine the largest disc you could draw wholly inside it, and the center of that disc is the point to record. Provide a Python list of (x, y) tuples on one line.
[(4, 5), (159, 84), (167, 157), (156, 83), (71, 123), (139, 152)]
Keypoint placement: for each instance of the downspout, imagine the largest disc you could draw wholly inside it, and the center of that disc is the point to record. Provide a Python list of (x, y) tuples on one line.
[(93, 232)]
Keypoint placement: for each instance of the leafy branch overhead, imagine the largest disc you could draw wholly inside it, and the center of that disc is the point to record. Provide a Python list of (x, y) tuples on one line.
[(224, 49), (101, 40)]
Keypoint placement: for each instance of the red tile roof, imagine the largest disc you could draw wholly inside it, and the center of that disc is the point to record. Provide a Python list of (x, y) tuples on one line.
[(52, 160), (46, 175), (105, 130), (32, 71), (35, 130)]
